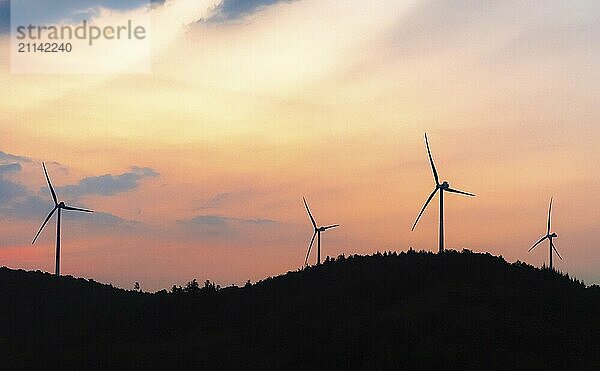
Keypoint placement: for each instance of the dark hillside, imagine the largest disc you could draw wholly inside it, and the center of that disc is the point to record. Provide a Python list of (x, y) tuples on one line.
[(410, 310)]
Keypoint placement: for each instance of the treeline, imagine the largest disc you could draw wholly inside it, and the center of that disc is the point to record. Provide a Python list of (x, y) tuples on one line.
[(411, 310)]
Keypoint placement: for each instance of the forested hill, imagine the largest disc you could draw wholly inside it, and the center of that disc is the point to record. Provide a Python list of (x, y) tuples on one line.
[(410, 310)]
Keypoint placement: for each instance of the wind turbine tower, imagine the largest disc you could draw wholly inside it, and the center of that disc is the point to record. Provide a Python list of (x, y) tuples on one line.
[(58, 207), (317, 233), (549, 236), (442, 187)]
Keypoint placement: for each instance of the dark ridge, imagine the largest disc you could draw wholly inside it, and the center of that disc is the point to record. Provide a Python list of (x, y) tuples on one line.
[(411, 310)]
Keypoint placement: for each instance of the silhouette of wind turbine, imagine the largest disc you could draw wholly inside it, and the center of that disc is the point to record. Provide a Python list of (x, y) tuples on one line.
[(58, 206), (549, 236), (317, 234), (442, 187)]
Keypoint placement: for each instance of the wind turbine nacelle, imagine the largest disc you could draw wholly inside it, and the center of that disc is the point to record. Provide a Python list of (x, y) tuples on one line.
[(444, 185), (61, 204), (553, 235)]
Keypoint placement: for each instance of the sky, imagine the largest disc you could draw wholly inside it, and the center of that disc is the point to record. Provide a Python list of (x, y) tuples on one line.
[(198, 169)]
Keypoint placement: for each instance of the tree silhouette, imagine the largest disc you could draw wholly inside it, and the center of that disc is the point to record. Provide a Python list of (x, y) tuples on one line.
[(408, 310), (192, 287)]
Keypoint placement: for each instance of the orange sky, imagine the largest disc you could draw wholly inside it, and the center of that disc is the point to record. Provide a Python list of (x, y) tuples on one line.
[(325, 99)]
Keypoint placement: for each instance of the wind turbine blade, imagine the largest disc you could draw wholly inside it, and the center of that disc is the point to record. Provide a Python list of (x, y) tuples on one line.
[(44, 224), (309, 214), (309, 248), (435, 174), (77, 209), (549, 215), (424, 207), (460, 192), (50, 184), (556, 251), (537, 243), (331, 226)]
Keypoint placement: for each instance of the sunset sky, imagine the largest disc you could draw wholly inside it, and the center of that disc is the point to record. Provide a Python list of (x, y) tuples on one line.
[(197, 169)]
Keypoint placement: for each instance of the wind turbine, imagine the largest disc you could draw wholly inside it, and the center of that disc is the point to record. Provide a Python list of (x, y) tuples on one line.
[(442, 187), (317, 234), (549, 236), (58, 206)]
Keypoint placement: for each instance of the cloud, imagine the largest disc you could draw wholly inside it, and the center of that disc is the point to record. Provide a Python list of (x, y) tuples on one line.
[(19, 202), (4, 16), (10, 190), (26, 206), (224, 220), (108, 185), (69, 9), (216, 202), (100, 218), (48, 11), (16, 200), (10, 168), (208, 220), (235, 9), (8, 157), (257, 221)]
